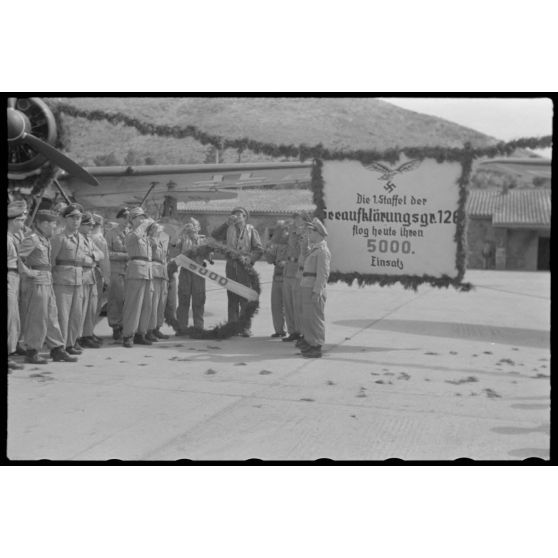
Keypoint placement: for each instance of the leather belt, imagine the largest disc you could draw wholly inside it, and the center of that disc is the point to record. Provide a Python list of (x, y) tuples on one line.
[(308, 274), (158, 261), (141, 258), (87, 266), (14, 269), (72, 263), (41, 267)]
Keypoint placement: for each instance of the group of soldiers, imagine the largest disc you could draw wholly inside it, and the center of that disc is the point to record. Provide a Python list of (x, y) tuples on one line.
[(301, 260), (63, 270)]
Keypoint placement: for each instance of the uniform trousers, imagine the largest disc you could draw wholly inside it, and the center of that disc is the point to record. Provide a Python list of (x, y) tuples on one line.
[(137, 307), (40, 322), (89, 310), (115, 304), (69, 301), (313, 320), (158, 302), (277, 306), (289, 303), (191, 289), (237, 304), (14, 326), (298, 306)]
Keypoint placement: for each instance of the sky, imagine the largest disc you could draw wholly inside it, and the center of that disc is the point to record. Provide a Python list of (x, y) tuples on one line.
[(504, 118)]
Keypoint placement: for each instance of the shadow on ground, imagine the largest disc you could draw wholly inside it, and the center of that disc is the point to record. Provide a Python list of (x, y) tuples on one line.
[(477, 332)]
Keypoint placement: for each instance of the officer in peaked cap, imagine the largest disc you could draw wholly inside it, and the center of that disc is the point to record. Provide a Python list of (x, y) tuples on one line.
[(292, 295), (17, 212), (136, 313), (67, 276), (313, 287), (191, 287), (118, 256), (38, 299), (90, 255), (102, 270), (159, 248)]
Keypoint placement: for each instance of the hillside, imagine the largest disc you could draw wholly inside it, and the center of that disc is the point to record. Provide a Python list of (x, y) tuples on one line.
[(346, 123)]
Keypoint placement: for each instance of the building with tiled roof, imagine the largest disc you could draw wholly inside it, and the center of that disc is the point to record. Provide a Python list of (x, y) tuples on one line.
[(509, 229)]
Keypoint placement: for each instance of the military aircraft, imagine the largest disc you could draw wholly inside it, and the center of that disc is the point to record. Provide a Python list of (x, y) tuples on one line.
[(32, 134)]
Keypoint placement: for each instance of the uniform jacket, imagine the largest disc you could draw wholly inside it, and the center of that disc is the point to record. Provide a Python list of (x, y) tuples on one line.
[(35, 251), (104, 262), (304, 249), (317, 263), (12, 252), (276, 254), (66, 258), (90, 255), (246, 241), (292, 254), (139, 246), (116, 243), (159, 252)]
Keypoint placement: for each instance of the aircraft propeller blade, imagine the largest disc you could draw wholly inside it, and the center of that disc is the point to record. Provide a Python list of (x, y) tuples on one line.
[(59, 159), (12, 102)]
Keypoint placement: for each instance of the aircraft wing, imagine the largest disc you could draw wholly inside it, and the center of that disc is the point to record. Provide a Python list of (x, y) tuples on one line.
[(128, 185), (528, 168)]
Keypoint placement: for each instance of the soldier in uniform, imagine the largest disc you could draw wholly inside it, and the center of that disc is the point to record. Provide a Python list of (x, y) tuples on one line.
[(38, 298), (90, 256), (139, 284), (116, 242), (191, 287), (17, 212), (244, 239), (276, 254), (102, 269), (67, 276), (160, 282), (313, 286), (291, 279)]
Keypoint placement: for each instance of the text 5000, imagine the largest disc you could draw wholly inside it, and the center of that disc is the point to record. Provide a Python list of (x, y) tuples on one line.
[(393, 246)]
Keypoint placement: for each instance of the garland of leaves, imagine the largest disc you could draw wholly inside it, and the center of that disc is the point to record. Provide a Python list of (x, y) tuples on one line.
[(408, 281), (303, 151), (319, 153), (227, 329)]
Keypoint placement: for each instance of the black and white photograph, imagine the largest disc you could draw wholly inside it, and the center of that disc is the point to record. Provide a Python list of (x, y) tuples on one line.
[(278, 278)]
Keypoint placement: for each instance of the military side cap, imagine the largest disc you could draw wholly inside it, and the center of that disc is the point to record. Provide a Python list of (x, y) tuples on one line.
[(45, 215), (98, 219), (136, 212), (72, 209), (317, 225), (241, 210), (124, 212), (17, 209), (87, 219)]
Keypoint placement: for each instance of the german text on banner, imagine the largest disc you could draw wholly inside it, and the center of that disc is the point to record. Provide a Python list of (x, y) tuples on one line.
[(386, 219)]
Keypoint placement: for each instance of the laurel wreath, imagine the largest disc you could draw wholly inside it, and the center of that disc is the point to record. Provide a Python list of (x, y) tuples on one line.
[(226, 329)]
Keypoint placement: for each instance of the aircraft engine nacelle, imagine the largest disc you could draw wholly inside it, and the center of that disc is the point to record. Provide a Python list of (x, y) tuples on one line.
[(39, 120)]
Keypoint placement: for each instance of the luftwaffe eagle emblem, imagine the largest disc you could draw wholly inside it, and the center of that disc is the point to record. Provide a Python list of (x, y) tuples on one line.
[(388, 173)]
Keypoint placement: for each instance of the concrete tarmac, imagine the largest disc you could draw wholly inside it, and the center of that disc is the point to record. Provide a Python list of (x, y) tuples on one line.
[(430, 375)]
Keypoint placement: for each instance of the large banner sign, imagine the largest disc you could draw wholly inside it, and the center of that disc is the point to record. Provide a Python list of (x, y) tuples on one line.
[(394, 220)]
